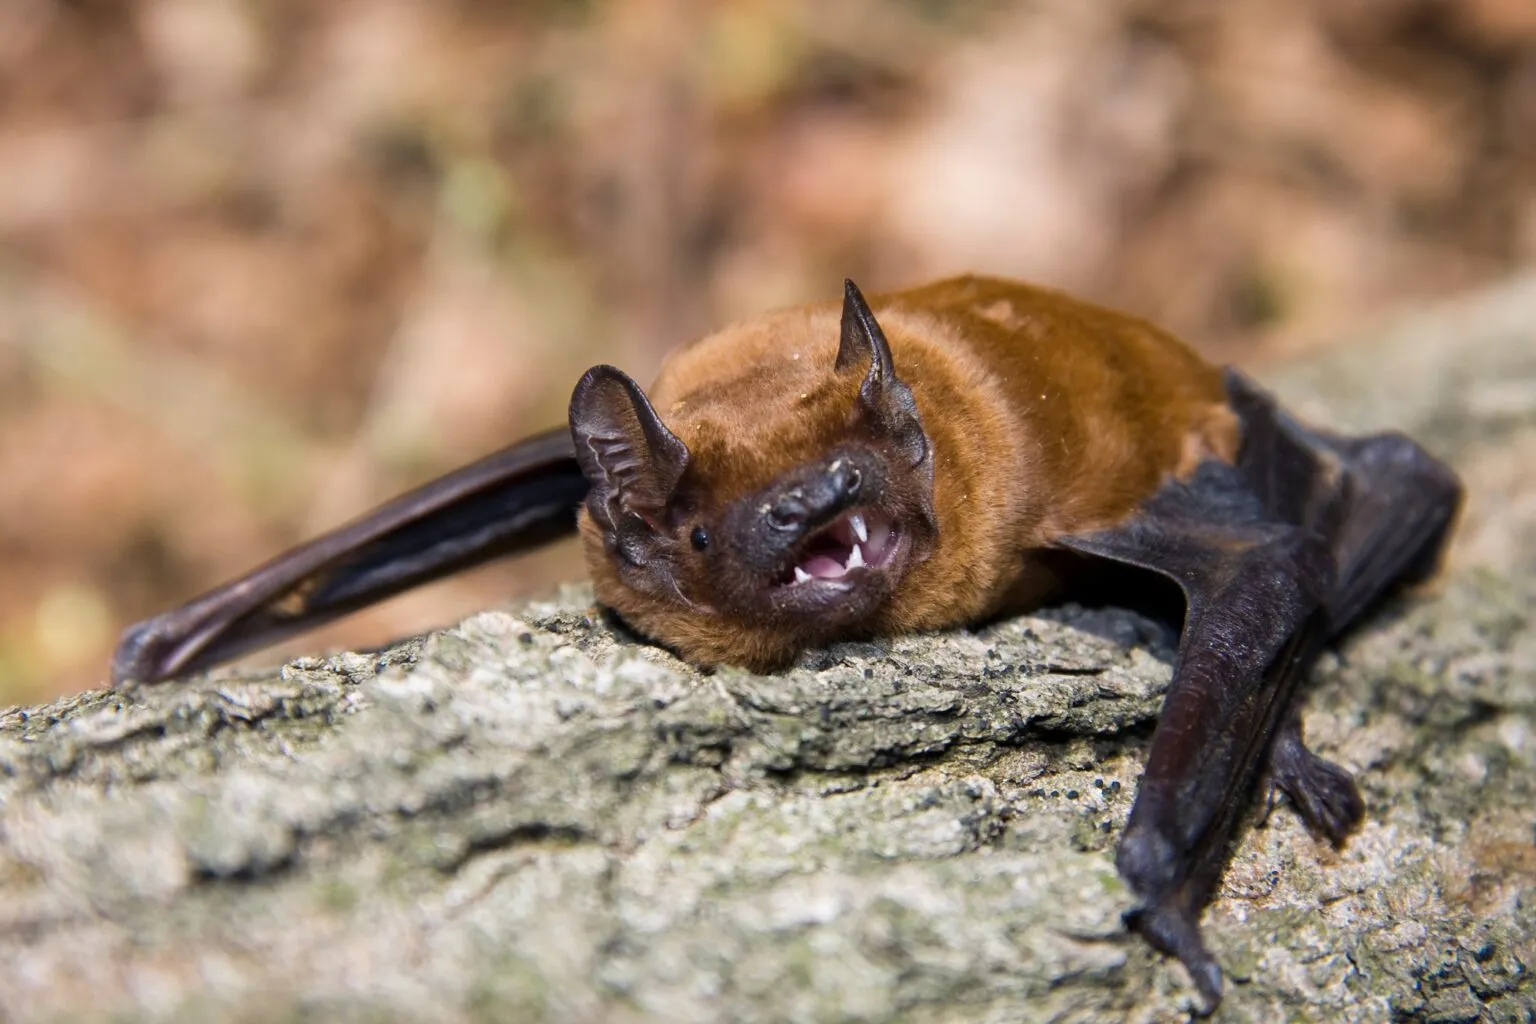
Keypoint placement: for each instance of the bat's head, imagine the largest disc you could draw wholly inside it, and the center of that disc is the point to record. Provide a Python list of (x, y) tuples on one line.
[(793, 523)]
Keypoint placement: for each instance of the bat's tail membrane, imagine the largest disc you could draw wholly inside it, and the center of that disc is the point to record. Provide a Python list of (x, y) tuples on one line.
[(512, 500)]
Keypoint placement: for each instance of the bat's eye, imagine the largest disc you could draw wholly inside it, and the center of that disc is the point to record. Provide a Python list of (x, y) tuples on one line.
[(700, 538)]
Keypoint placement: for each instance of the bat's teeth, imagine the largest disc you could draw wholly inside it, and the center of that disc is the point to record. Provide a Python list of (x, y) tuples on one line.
[(801, 576), (855, 557), (859, 529)]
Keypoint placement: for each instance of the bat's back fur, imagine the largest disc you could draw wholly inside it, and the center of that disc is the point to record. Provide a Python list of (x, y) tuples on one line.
[(1046, 416)]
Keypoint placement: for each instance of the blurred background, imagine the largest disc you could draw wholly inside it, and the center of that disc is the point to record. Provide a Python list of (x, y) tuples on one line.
[(264, 263)]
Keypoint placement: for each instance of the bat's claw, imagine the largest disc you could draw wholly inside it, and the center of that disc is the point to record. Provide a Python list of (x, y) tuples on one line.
[(1147, 860), (1178, 934)]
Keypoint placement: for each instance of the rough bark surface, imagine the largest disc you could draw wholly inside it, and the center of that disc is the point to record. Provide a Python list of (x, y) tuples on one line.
[(531, 817)]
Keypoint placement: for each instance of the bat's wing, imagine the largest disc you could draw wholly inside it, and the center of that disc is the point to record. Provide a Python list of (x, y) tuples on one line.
[(514, 499), (1275, 555)]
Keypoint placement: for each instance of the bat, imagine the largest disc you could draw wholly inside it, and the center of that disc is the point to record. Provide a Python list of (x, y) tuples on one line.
[(942, 456)]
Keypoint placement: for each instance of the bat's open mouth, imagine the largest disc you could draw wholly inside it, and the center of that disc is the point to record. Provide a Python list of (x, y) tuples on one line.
[(859, 538)]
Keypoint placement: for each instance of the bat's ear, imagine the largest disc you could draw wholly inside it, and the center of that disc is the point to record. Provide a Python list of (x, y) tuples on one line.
[(862, 347), (630, 458)]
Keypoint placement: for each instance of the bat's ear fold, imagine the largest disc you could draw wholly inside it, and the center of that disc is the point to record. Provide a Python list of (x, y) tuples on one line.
[(883, 395), (630, 458)]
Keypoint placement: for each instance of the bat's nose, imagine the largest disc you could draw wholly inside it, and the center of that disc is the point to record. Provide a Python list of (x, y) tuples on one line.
[(818, 499)]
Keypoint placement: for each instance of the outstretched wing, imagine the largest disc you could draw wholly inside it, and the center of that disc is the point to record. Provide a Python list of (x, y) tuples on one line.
[(515, 499), (1276, 555)]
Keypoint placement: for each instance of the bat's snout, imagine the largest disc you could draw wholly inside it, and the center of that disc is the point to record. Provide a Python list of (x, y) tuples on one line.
[(808, 505)]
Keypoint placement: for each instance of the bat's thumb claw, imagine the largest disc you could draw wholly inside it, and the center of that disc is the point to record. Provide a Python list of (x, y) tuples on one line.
[(1207, 978), (1178, 935)]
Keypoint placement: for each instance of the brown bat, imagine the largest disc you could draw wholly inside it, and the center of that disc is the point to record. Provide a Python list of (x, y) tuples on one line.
[(820, 474)]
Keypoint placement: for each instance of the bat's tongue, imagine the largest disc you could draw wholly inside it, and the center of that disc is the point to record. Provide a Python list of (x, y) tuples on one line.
[(823, 567)]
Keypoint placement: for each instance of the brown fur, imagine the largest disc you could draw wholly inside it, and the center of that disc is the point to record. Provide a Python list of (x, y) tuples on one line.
[(1046, 416)]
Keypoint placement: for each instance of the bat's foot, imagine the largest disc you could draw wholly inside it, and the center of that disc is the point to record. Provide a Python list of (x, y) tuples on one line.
[(1396, 464), (1177, 934), (1398, 509), (1323, 793)]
